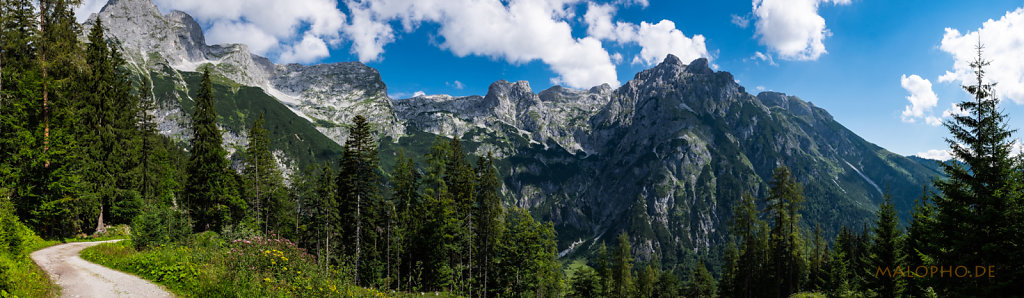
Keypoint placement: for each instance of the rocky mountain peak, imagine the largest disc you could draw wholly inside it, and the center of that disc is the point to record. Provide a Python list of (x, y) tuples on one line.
[(699, 66)]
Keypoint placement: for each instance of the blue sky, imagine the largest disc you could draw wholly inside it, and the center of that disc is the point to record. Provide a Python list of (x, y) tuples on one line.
[(888, 70)]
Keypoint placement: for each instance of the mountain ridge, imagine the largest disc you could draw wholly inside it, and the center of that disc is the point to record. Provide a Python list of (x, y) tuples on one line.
[(664, 156)]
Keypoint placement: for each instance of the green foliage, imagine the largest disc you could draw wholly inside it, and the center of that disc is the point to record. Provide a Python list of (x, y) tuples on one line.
[(210, 194), (979, 207), (886, 251), (159, 225), (267, 196), (622, 268), (585, 283), (207, 266), (701, 283), (528, 258)]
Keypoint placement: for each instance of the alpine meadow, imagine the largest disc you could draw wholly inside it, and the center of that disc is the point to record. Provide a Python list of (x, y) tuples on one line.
[(251, 148)]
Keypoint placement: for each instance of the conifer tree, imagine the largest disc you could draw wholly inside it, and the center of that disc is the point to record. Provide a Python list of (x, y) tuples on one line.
[(264, 182), (886, 251), (701, 283), (585, 283), (209, 190), (490, 217), (529, 264), (784, 201), (919, 246), (978, 207), (357, 188), (622, 268)]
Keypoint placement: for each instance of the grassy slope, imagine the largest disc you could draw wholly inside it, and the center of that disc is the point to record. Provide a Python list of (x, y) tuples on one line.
[(206, 266)]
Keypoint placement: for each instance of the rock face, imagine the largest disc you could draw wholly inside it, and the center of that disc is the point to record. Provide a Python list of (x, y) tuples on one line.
[(664, 157), (326, 94)]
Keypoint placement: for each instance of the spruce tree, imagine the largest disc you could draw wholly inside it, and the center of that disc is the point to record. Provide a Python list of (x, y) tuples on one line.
[(208, 191), (979, 202), (357, 188), (622, 268), (490, 217), (701, 283), (784, 201), (886, 251), (264, 183), (918, 245)]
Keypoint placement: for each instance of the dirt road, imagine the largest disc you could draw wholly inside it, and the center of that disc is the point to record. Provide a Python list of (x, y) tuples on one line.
[(80, 278)]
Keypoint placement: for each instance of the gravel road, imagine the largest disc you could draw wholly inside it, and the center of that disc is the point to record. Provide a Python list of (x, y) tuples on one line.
[(81, 278)]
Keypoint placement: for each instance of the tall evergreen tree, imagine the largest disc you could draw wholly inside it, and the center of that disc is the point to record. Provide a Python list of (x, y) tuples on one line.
[(919, 246), (784, 201), (752, 276), (358, 183), (490, 217), (209, 192), (701, 283), (622, 268), (886, 251), (264, 183), (981, 196)]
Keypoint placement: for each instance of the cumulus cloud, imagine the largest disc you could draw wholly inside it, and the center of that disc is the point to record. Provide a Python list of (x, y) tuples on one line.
[(656, 40), (310, 49), (936, 154), (518, 32), (456, 84), (292, 31), (954, 109), (922, 99), (1002, 40), (419, 93), (792, 28)]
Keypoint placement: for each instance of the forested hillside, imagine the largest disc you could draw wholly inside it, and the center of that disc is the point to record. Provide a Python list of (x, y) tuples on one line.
[(679, 183)]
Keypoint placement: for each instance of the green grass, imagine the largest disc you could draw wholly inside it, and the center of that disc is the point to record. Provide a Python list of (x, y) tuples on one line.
[(207, 266)]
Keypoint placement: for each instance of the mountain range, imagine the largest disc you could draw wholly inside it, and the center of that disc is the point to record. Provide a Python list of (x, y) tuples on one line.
[(664, 157)]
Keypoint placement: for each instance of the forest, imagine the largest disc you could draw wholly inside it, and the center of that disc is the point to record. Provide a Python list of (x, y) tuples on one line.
[(80, 154)]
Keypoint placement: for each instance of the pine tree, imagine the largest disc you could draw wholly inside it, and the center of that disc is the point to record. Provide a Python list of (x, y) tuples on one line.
[(886, 251), (918, 246), (459, 178), (490, 217), (440, 227), (529, 264), (622, 268), (981, 196), (753, 277), (265, 184), (784, 202), (358, 183), (818, 261), (603, 265), (406, 198), (701, 284), (208, 192), (730, 269), (584, 283)]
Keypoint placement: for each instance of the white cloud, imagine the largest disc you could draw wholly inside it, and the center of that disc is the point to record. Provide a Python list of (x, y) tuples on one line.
[(419, 93), (274, 28), (922, 99), (1002, 40), (954, 109), (87, 8), (656, 40), (520, 31), (760, 88), (310, 49), (456, 84), (936, 154), (259, 41), (742, 22), (933, 121), (792, 28), (764, 57)]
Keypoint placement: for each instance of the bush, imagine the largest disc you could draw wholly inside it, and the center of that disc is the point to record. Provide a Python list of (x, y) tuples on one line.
[(160, 225)]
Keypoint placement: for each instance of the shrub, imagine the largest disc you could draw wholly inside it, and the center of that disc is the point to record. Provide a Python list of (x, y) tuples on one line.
[(159, 225)]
